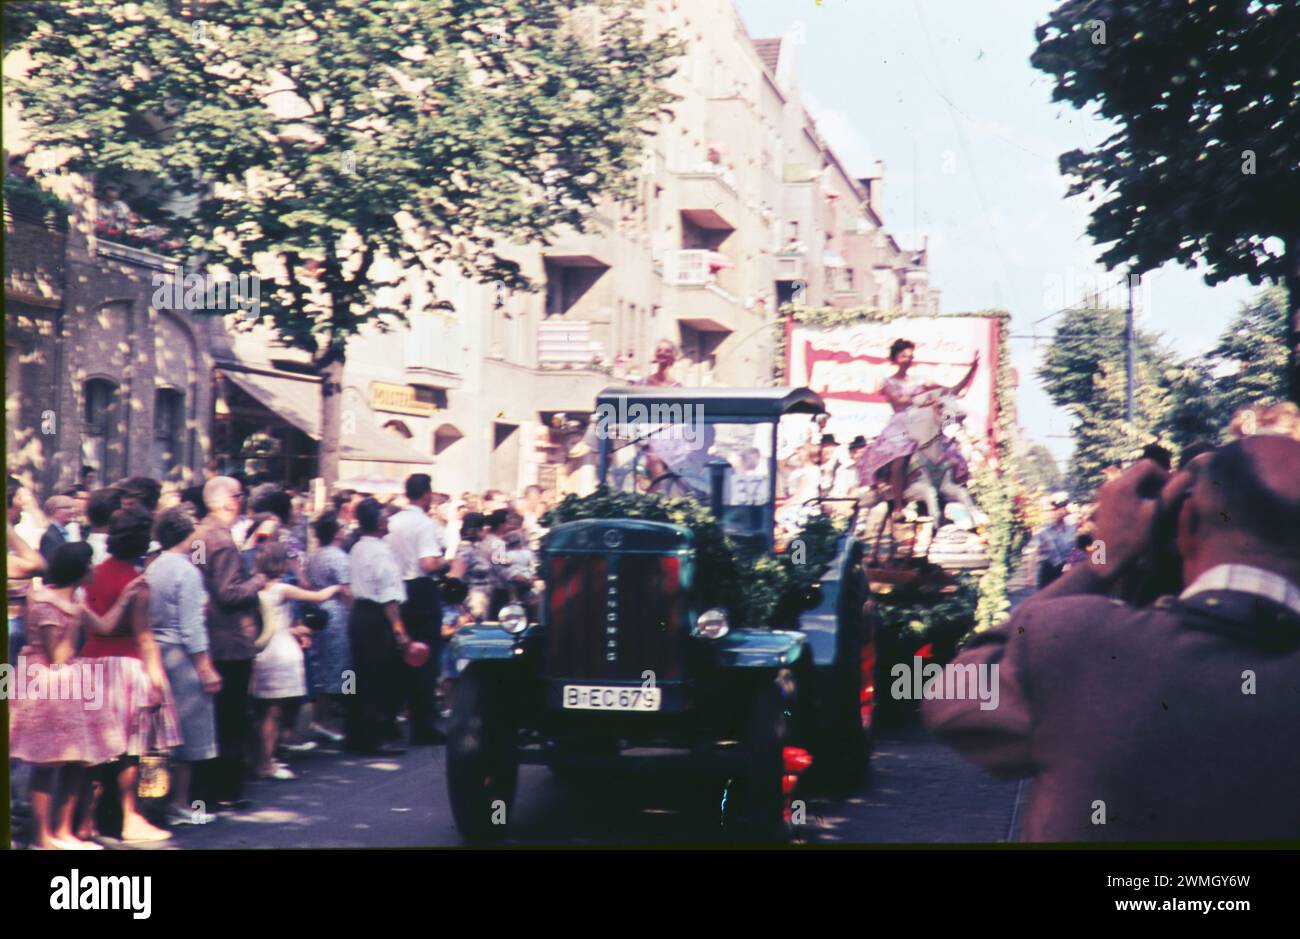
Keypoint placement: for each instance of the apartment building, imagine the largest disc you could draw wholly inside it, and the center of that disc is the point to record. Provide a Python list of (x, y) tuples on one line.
[(741, 207), (96, 374)]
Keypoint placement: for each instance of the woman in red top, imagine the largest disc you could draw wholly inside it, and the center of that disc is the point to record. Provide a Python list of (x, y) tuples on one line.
[(137, 695)]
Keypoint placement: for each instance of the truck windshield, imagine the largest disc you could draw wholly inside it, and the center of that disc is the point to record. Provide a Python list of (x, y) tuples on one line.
[(673, 460)]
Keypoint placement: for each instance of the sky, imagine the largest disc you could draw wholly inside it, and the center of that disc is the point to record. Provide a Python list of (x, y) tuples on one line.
[(943, 93)]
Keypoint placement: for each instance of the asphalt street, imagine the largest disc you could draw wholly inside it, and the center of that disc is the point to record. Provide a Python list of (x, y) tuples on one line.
[(918, 792)]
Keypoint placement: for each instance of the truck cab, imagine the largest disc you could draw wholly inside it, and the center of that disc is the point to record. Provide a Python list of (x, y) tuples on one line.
[(629, 658)]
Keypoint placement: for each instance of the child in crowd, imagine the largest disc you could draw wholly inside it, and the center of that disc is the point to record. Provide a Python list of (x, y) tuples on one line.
[(279, 671), (518, 567), (49, 727), (455, 615)]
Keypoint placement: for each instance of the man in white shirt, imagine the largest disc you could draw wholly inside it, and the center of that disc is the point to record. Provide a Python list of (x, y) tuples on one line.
[(417, 543), (377, 634)]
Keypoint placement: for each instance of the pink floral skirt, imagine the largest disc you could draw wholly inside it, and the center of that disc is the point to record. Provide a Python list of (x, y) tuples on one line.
[(894, 441), (126, 698), (57, 714)]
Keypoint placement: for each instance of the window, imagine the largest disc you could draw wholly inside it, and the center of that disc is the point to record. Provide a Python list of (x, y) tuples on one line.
[(444, 437), (168, 425), (100, 396), (567, 284), (503, 464)]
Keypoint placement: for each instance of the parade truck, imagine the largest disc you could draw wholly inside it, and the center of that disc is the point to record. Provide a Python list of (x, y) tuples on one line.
[(636, 655)]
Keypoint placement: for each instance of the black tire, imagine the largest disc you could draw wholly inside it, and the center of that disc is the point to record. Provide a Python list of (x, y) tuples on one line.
[(759, 801), (482, 762), (843, 763), (845, 749)]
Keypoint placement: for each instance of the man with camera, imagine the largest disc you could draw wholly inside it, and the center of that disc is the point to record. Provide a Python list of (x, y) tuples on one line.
[(1177, 721)]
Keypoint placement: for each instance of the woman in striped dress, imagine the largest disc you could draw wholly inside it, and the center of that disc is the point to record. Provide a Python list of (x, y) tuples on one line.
[(137, 693)]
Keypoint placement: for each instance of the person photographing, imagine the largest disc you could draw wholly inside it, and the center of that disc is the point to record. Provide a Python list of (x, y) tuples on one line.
[(1174, 721)]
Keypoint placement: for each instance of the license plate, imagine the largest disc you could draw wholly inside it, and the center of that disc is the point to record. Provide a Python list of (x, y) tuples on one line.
[(610, 698)]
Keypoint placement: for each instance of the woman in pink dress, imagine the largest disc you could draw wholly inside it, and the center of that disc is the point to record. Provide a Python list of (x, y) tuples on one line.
[(890, 450), (59, 719)]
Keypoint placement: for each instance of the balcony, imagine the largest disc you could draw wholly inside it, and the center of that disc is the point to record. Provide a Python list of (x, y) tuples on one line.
[(708, 198), (591, 248), (141, 257), (434, 351), (790, 265), (701, 290)]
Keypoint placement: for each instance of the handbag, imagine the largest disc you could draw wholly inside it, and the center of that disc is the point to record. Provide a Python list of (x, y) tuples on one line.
[(155, 778), (313, 617)]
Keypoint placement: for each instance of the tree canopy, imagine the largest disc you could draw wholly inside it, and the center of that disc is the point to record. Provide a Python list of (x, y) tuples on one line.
[(1245, 367), (1202, 166), (351, 142), (1083, 371)]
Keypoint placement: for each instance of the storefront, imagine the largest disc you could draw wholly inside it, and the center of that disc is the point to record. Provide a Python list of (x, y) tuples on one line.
[(267, 423)]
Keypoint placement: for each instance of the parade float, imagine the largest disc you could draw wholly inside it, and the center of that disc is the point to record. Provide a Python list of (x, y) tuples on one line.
[(938, 575)]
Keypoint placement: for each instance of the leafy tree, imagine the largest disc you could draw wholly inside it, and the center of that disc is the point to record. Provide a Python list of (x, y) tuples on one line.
[(1085, 338), (347, 145), (1084, 372), (1103, 437), (1039, 469), (1251, 352), (1245, 367), (1201, 168), (1193, 408)]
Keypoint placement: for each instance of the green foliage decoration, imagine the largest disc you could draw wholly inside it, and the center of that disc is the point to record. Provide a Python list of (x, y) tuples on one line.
[(756, 591)]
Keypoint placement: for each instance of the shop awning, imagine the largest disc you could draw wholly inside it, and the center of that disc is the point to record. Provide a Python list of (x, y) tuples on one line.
[(297, 401)]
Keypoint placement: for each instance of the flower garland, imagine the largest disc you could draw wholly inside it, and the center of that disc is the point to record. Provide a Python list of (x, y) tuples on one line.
[(995, 483)]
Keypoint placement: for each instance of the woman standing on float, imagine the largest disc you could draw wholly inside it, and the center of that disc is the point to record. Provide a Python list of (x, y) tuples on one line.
[(894, 445)]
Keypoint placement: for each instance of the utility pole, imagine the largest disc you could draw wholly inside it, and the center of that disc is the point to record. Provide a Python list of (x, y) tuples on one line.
[(1128, 349)]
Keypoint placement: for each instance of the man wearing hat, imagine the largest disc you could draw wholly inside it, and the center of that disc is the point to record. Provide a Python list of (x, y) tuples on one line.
[(829, 461), (847, 480), (1054, 541), (60, 511)]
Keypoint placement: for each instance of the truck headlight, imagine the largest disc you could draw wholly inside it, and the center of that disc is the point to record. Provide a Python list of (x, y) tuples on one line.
[(513, 619), (712, 624)]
